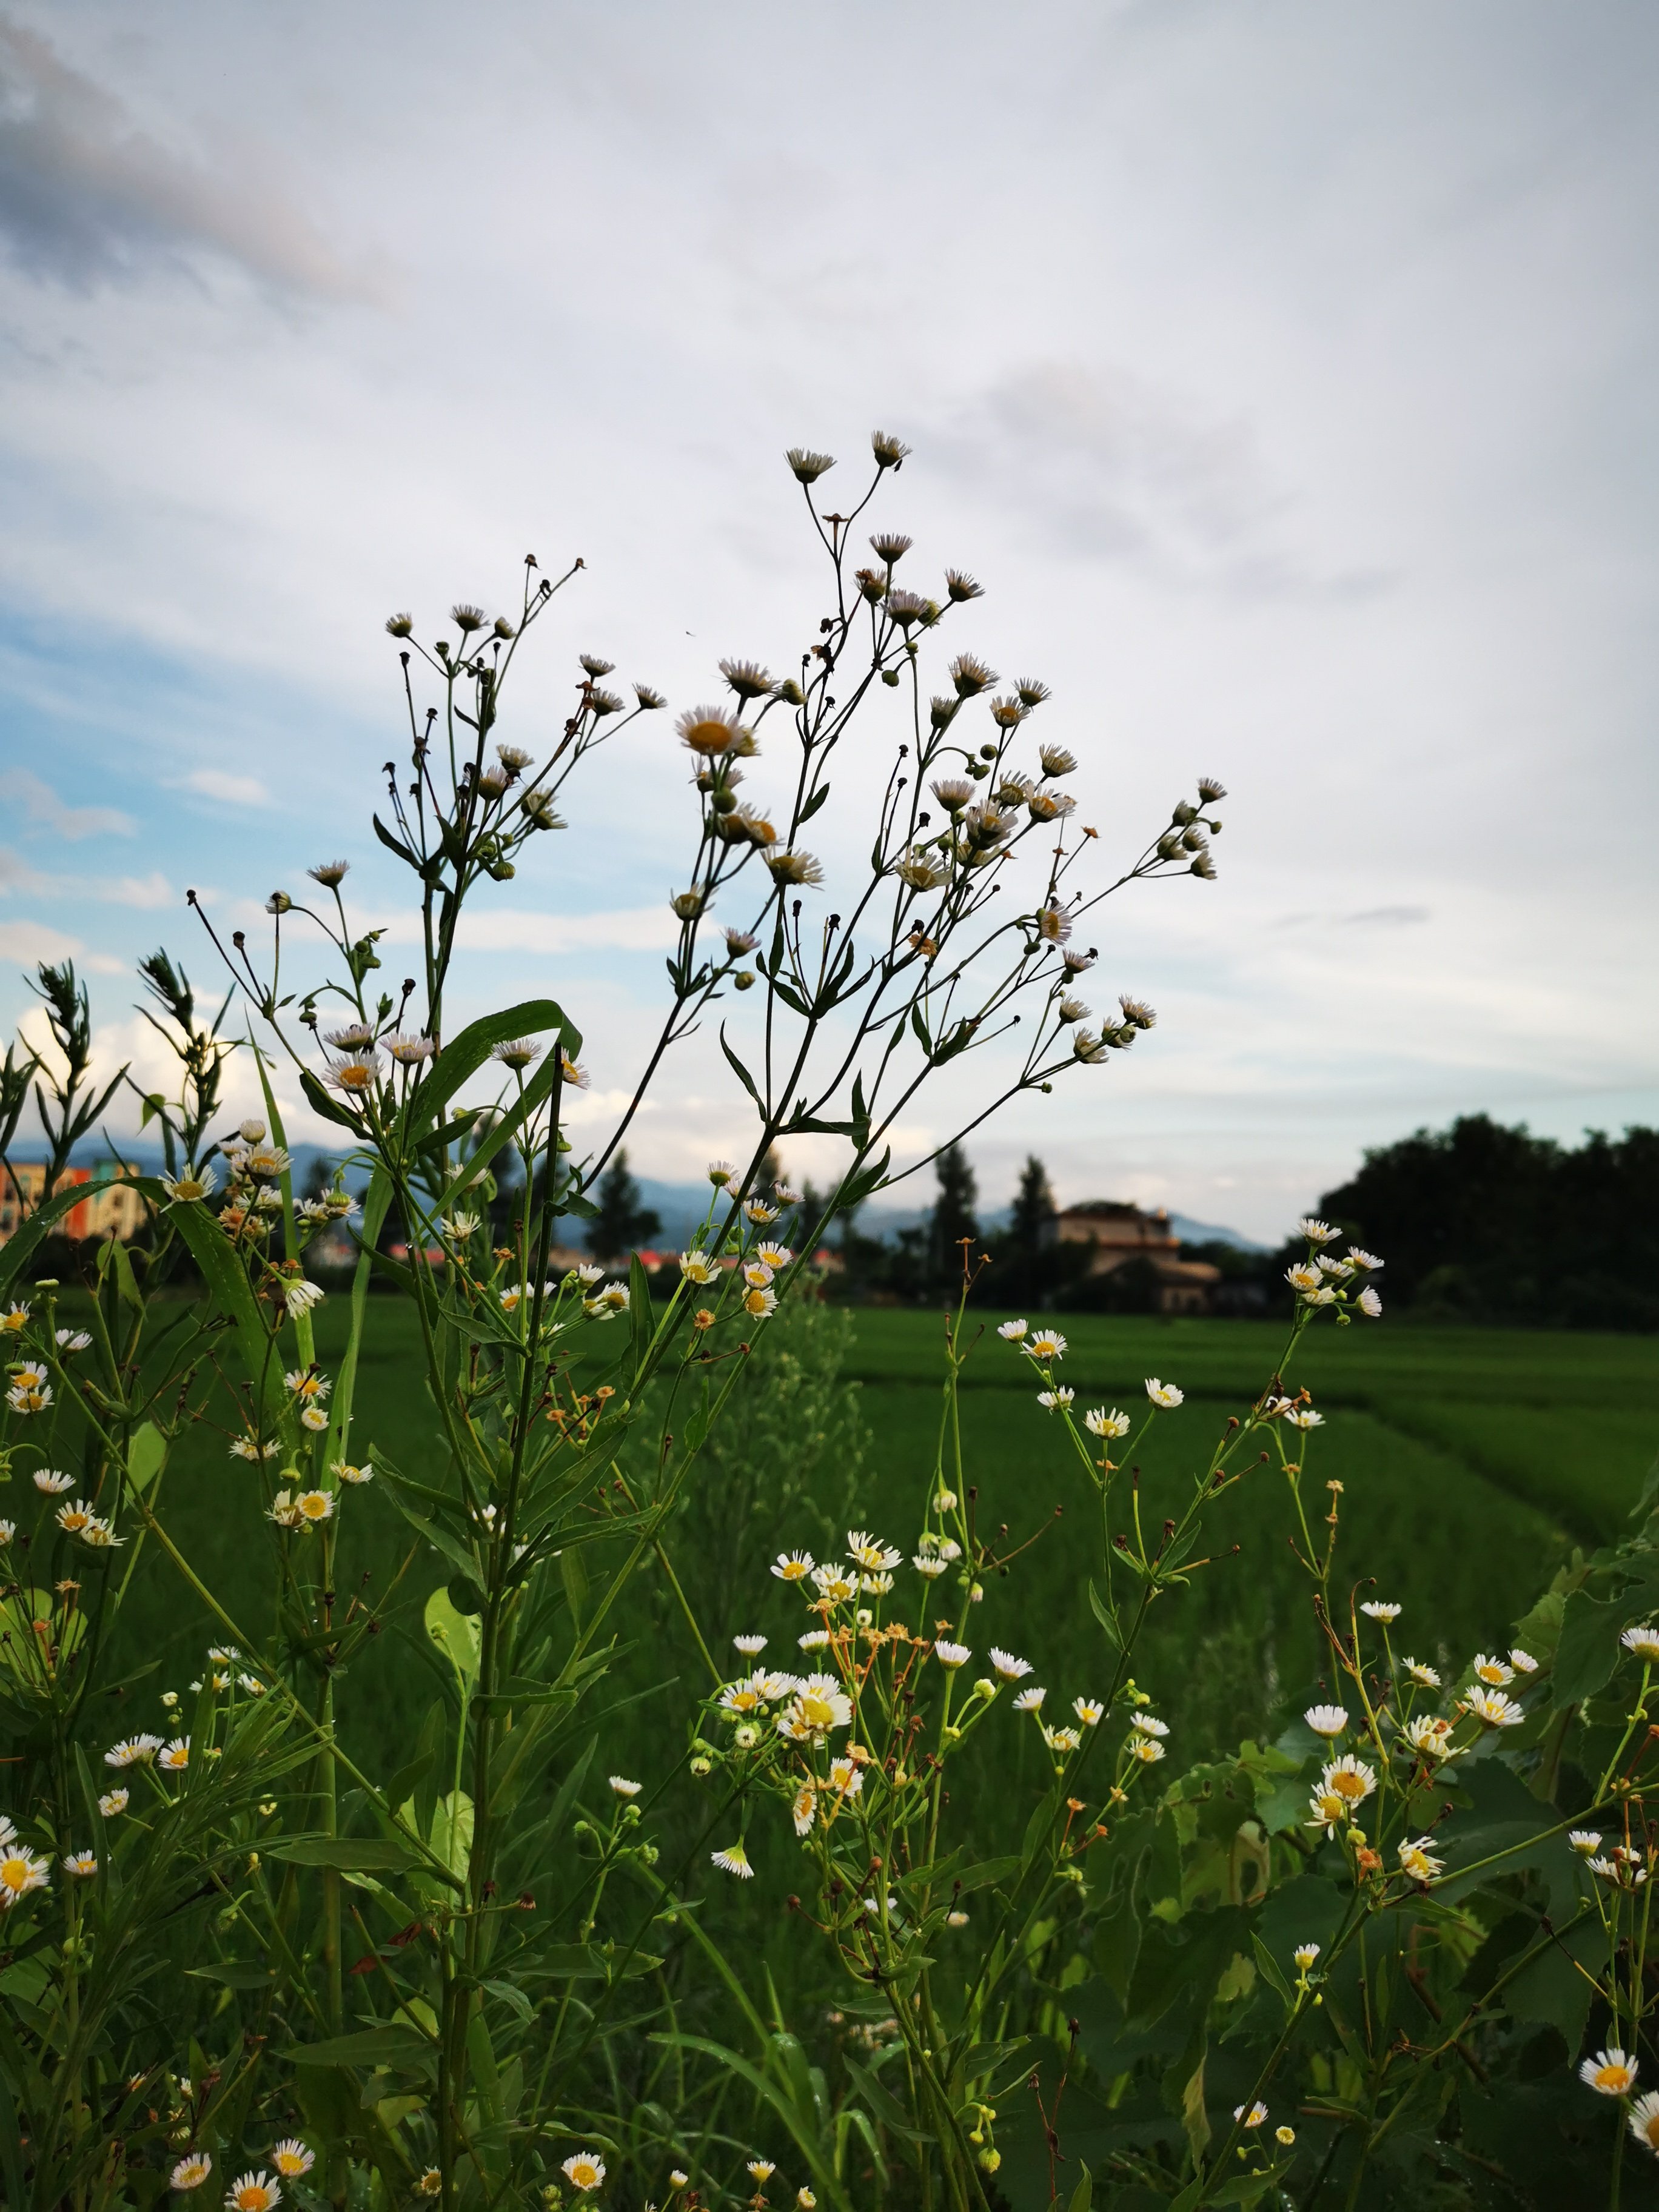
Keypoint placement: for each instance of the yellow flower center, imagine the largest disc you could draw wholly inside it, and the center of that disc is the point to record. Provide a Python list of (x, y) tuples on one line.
[(314, 1505), (252, 2198), (815, 1709), (1352, 1787), (1614, 2078), (14, 1873)]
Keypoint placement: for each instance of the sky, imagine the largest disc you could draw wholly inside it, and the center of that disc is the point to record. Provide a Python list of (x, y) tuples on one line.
[(1284, 373)]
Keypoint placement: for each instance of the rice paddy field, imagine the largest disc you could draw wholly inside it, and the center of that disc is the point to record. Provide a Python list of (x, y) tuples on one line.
[(1472, 1463)]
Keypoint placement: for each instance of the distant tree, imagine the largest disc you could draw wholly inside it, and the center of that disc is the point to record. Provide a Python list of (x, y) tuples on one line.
[(623, 1223), (319, 1176), (1025, 1250), (1483, 1222), (953, 1216)]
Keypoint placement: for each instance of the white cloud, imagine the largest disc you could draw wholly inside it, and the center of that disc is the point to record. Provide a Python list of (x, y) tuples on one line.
[(232, 790), (151, 890), (40, 804), (29, 942), (16, 874), (510, 929)]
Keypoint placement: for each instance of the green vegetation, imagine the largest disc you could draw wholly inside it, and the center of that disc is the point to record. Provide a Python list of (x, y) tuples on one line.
[(1473, 1461)]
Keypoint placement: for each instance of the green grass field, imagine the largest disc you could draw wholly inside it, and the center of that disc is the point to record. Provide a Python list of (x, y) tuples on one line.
[(1472, 1462), (1471, 1465)]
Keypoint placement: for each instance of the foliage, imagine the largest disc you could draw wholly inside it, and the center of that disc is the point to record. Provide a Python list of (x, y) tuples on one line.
[(1486, 1223)]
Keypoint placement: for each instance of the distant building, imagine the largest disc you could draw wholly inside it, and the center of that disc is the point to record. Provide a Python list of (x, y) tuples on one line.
[(1119, 1232), (109, 1209)]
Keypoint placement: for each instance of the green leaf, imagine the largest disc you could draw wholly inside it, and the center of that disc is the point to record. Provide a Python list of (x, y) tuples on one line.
[(1104, 1614), (465, 1596), (439, 1537), (1084, 2194), (228, 1286), (320, 1103), (394, 844), (882, 2102), (456, 1634), (462, 1058), (739, 1069), (1588, 1649), (145, 1454), (987, 1872), (574, 1575), (1268, 1966), (348, 1854), (536, 1092), (234, 1977), (23, 1240), (374, 2046)]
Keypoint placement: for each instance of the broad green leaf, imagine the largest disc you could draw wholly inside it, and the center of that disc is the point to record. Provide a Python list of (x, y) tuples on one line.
[(1588, 1649), (456, 1634), (146, 1456), (452, 1831)]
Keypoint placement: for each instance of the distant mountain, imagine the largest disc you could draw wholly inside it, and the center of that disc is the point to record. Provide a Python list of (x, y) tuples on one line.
[(1211, 1232)]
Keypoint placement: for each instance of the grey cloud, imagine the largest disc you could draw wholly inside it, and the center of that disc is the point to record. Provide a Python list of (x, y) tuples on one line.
[(1370, 917), (41, 804), (1386, 917), (1119, 471), (88, 197)]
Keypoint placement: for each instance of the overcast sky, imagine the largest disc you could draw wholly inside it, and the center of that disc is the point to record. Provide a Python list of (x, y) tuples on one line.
[(1286, 372)]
